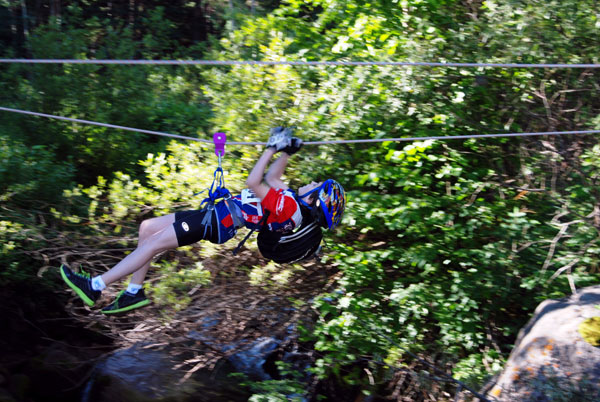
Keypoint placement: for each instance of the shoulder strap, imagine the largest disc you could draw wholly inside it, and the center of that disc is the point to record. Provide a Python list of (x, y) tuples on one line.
[(235, 212), (260, 224)]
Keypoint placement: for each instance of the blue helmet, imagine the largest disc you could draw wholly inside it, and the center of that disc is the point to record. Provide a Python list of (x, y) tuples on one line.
[(329, 205)]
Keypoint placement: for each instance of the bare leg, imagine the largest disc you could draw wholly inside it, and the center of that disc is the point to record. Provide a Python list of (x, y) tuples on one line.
[(148, 228), (156, 235)]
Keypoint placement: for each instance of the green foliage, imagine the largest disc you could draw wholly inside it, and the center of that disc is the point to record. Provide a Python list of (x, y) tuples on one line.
[(463, 370), (177, 178), (442, 250), (141, 97), (272, 274), (30, 179), (289, 388), (446, 247), (12, 235), (172, 289), (29, 175)]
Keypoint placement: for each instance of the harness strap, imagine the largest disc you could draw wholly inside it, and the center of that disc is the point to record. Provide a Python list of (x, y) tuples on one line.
[(262, 221), (235, 212), (207, 220)]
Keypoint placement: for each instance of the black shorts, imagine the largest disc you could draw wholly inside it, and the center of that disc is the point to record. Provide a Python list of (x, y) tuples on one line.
[(189, 227)]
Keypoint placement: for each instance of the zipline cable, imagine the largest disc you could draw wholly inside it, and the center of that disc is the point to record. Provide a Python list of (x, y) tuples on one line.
[(296, 63), (357, 141), (95, 123)]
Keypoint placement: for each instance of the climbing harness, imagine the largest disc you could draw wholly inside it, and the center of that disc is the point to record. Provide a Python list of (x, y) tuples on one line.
[(291, 248), (219, 209)]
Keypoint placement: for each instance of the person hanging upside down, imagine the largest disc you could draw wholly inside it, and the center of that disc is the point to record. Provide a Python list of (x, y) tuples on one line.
[(289, 225)]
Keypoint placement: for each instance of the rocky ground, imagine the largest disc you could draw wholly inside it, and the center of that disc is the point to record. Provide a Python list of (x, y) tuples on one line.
[(221, 329)]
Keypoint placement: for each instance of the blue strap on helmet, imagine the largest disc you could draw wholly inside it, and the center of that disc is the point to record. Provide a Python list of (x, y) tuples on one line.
[(300, 198), (330, 205)]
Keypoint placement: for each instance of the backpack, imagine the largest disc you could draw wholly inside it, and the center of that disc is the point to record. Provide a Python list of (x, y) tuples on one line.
[(291, 248)]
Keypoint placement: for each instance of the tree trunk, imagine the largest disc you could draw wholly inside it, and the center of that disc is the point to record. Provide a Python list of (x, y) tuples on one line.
[(25, 18), (14, 29), (131, 16), (37, 13), (231, 14), (55, 11), (200, 29)]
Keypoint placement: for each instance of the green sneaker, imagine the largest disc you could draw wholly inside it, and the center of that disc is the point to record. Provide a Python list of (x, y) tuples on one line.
[(81, 283), (126, 301)]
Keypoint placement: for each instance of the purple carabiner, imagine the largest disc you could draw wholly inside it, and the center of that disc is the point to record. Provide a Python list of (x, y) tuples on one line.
[(219, 139)]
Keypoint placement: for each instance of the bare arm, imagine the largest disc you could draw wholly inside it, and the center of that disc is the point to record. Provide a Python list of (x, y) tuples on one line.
[(273, 176), (254, 181)]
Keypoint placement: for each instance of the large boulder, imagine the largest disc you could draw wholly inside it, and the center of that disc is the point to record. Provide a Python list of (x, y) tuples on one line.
[(141, 374), (551, 360), (145, 375)]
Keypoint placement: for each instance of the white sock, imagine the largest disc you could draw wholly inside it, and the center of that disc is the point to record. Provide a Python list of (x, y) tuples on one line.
[(98, 283), (133, 288)]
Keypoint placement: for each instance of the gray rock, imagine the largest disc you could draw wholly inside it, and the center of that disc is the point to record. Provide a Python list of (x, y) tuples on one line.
[(133, 374), (146, 375), (550, 360), (251, 360)]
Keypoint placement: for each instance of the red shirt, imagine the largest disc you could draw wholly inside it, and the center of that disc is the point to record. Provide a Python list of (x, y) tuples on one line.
[(284, 210)]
